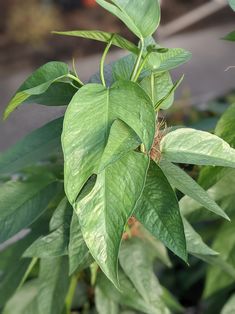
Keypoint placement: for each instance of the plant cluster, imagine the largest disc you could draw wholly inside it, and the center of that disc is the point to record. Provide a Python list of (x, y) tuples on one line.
[(98, 188)]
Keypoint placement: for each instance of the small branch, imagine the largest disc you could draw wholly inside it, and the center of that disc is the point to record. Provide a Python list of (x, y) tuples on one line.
[(70, 295), (75, 78)]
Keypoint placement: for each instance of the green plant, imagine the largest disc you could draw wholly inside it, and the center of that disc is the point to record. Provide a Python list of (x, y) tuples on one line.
[(99, 222)]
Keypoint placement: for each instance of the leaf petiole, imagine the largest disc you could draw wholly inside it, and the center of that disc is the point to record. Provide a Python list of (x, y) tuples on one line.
[(138, 60), (103, 60)]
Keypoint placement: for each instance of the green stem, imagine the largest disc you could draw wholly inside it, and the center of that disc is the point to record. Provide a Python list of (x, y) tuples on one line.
[(70, 295), (152, 87), (138, 60), (103, 60), (75, 78), (141, 67)]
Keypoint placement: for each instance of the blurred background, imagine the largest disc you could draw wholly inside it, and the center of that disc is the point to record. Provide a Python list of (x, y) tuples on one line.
[(195, 25)]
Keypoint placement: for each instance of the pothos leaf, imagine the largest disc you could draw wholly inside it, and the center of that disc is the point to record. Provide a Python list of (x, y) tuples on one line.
[(37, 83), (87, 124), (141, 17), (158, 211), (35, 147), (28, 200), (117, 40), (232, 4), (184, 183), (197, 147), (104, 212)]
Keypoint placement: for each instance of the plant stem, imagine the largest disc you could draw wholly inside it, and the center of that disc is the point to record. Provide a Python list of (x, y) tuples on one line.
[(75, 78), (103, 60), (141, 67), (138, 60), (152, 87), (28, 271), (70, 295)]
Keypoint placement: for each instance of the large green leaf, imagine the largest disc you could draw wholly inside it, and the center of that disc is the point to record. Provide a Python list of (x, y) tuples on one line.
[(197, 147), (158, 211), (141, 17), (229, 307), (232, 4), (36, 146), (104, 212), (53, 285), (37, 83), (94, 105), (56, 243), (26, 201), (117, 40), (224, 243), (184, 183), (127, 296), (79, 255), (138, 266)]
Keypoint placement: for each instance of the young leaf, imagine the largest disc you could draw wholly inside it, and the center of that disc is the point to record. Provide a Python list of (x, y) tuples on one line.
[(96, 106), (79, 255), (53, 285), (158, 211), (114, 197), (184, 183), (105, 37), (138, 266), (197, 147), (169, 59), (35, 147), (173, 58), (37, 83), (26, 201), (141, 17)]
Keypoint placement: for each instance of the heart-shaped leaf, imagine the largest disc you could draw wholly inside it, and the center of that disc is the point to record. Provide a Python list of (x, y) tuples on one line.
[(87, 124), (37, 83)]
